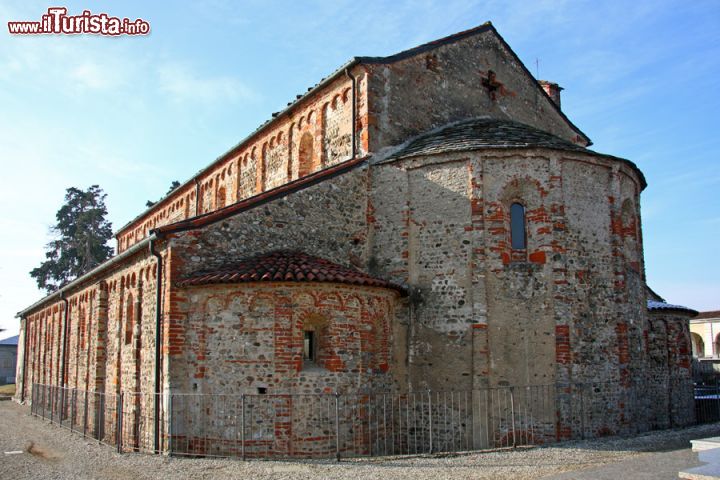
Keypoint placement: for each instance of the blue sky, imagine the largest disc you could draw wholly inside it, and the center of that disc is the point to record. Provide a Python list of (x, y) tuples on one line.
[(131, 114)]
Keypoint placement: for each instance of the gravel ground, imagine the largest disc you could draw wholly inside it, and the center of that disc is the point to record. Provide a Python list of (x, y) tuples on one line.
[(51, 452)]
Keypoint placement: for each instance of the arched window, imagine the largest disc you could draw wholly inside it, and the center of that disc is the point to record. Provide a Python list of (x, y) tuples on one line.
[(517, 227), (221, 197), (82, 324), (305, 155), (129, 319), (262, 169), (698, 346)]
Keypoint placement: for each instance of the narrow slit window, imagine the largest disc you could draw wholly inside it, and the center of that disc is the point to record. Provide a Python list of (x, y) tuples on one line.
[(517, 227), (309, 346)]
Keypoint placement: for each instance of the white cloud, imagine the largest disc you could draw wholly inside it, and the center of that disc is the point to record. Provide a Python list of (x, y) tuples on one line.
[(113, 164), (97, 77), (71, 65), (182, 84)]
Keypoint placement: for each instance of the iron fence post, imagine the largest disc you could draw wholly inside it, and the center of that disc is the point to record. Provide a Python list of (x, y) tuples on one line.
[(242, 426), (101, 418), (582, 411), (430, 422), (512, 414), (171, 430), (85, 413), (118, 427), (369, 415), (53, 392), (74, 410), (96, 412), (337, 426), (62, 404)]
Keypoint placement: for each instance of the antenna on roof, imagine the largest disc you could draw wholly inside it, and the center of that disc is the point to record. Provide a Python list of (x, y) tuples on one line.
[(537, 68)]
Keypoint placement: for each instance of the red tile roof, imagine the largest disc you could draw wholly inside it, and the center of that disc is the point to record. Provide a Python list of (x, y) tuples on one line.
[(710, 314), (286, 266)]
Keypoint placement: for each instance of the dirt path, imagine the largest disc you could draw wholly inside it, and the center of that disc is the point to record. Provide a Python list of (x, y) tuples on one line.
[(50, 452)]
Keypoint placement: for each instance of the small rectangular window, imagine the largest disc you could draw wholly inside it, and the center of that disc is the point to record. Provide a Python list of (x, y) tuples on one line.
[(309, 346), (517, 226)]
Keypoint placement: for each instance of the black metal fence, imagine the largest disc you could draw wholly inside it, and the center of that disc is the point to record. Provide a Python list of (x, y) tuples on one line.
[(340, 425), (705, 371), (123, 420), (707, 403)]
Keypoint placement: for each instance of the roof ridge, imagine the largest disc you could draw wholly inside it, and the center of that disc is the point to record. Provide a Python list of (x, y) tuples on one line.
[(428, 45), (286, 266), (487, 26), (407, 149), (443, 139)]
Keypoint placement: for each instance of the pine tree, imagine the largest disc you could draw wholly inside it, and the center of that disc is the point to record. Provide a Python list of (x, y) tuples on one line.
[(81, 239), (173, 186)]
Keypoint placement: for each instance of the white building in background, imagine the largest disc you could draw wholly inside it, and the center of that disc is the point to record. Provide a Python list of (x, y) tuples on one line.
[(8, 359), (705, 334)]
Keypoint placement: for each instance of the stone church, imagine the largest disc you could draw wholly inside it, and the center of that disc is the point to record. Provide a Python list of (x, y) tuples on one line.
[(426, 221)]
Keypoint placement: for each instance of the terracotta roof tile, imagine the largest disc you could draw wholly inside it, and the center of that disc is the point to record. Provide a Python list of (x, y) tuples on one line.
[(710, 314), (286, 266)]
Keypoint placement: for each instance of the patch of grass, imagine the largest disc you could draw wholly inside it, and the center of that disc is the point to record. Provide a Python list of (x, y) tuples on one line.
[(7, 389)]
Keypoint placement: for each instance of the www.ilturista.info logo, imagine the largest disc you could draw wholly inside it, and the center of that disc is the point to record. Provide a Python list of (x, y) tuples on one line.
[(57, 21)]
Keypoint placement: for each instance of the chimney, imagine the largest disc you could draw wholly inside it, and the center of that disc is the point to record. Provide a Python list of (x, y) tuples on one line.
[(552, 89)]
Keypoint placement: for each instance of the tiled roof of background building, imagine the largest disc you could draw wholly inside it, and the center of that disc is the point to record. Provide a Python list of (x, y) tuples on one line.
[(286, 266), (710, 314), (10, 340)]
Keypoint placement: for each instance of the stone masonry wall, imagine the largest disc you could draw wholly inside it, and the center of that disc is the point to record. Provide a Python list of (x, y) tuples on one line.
[(327, 220), (472, 77), (669, 369), (241, 337), (247, 339), (567, 309)]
